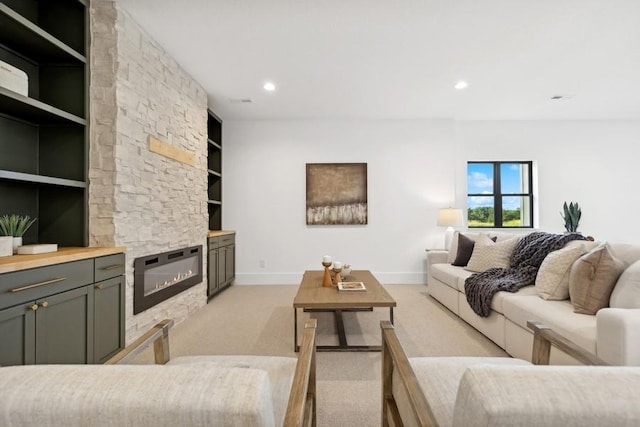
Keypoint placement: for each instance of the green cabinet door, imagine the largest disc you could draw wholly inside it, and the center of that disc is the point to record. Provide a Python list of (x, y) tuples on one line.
[(64, 327), (230, 259), (18, 332), (108, 303), (212, 277), (222, 266)]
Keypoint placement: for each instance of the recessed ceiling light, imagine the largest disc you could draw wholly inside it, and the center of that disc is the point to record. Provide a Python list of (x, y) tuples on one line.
[(269, 86), (461, 85)]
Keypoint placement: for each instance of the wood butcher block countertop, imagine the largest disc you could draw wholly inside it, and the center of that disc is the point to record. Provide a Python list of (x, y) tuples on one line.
[(216, 233), (23, 262)]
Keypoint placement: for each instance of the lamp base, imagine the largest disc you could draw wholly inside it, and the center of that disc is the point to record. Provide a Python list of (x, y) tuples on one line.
[(448, 237)]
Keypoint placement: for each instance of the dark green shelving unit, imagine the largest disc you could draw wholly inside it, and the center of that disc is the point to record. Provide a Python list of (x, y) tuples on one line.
[(43, 136), (214, 168)]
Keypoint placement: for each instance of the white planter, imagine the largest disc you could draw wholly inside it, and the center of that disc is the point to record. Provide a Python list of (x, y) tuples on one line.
[(17, 242), (6, 245)]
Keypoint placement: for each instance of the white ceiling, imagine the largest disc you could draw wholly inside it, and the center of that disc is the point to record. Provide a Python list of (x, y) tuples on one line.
[(401, 58)]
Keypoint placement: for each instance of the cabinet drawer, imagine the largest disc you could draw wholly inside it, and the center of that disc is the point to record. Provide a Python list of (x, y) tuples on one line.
[(28, 285), (227, 239), (109, 266), (214, 242)]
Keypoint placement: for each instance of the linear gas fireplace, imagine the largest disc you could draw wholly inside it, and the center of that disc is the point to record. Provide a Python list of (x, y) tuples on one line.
[(159, 277)]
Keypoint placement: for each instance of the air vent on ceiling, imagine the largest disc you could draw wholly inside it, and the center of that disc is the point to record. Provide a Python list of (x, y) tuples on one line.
[(240, 100)]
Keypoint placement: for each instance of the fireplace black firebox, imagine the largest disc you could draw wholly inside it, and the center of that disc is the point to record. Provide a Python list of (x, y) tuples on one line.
[(159, 277)]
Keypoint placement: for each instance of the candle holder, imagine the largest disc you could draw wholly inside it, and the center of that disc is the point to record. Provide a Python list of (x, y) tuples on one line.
[(326, 279), (336, 275)]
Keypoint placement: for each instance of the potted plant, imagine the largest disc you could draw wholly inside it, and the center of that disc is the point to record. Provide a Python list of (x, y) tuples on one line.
[(15, 226), (572, 214)]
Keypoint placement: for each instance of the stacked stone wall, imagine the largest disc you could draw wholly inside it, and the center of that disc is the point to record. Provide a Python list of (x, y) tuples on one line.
[(138, 198)]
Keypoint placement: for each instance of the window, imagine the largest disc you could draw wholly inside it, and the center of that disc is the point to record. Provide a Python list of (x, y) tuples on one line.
[(499, 194)]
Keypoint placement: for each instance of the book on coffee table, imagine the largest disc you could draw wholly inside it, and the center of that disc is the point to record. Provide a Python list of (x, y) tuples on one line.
[(351, 287)]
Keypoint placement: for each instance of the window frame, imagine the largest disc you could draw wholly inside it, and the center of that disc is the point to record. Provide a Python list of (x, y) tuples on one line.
[(498, 195)]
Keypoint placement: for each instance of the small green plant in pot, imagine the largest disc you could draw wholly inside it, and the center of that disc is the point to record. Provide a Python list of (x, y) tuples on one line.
[(572, 214), (15, 225)]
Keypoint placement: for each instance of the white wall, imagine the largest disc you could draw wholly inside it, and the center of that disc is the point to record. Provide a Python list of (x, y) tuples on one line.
[(594, 163), (414, 168), (410, 176)]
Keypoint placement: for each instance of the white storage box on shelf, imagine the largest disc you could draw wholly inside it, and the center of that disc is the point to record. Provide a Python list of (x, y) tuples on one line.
[(14, 79)]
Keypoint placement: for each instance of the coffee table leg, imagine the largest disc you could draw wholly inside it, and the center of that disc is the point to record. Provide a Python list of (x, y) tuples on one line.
[(342, 336), (295, 330)]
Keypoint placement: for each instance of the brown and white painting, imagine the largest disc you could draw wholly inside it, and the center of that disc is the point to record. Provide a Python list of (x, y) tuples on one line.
[(336, 193)]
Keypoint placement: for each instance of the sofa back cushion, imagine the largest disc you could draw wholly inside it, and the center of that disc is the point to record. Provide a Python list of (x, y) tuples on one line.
[(592, 279), (626, 252), (552, 281), (626, 293)]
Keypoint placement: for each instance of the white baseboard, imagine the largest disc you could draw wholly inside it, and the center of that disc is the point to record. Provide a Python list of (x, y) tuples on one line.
[(417, 278)]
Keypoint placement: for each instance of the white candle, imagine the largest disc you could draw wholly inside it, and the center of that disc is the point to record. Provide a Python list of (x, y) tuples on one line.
[(326, 259), (337, 264)]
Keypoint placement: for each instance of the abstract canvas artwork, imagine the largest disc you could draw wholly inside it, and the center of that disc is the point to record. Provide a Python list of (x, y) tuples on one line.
[(336, 193)]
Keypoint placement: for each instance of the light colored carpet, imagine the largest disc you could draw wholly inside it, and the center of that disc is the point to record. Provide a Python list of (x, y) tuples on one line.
[(259, 320)]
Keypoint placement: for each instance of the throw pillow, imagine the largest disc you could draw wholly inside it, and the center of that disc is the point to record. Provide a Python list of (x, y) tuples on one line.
[(465, 249), (592, 279), (453, 251), (489, 254), (626, 293), (552, 281)]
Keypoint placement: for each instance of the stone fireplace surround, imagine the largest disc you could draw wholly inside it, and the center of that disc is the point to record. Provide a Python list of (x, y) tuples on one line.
[(140, 199)]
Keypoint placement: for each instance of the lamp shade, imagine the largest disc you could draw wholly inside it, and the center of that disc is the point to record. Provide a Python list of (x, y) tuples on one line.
[(450, 217)]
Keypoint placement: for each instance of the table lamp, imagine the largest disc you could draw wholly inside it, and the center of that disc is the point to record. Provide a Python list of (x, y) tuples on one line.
[(449, 217)]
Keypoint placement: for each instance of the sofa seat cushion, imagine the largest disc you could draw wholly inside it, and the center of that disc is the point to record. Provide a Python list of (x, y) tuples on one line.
[(497, 303), (439, 378), (280, 371), (548, 396), (449, 274), (558, 315), (134, 395)]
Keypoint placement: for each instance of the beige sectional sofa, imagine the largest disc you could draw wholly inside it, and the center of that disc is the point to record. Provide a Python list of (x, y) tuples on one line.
[(613, 333)]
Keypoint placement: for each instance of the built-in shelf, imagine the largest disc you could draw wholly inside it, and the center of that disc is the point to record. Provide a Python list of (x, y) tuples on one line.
[(21, 35), (31, 110), (41, 179), (214, 169), (43, 131)]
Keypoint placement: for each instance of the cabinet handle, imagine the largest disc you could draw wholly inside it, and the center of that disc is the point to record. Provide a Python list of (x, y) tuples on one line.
[(44, 304), (113, 267), (36, 285), (100, 286), (33, 307)]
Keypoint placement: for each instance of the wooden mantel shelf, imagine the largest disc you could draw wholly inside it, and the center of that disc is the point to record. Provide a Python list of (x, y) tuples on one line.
[(216, 233), (23, 262)]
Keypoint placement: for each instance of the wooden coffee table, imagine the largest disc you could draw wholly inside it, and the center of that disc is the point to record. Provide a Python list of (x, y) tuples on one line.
[(312, 296)]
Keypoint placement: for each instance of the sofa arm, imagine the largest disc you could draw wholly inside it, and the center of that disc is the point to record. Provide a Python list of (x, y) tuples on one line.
[(436, 257), (618, 336)]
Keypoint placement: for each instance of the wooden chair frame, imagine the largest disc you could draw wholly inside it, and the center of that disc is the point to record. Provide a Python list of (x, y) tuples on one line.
[(394, 358), (301, 407)]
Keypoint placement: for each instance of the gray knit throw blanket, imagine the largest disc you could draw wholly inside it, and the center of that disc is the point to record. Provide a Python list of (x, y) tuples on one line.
[(523, 268)]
